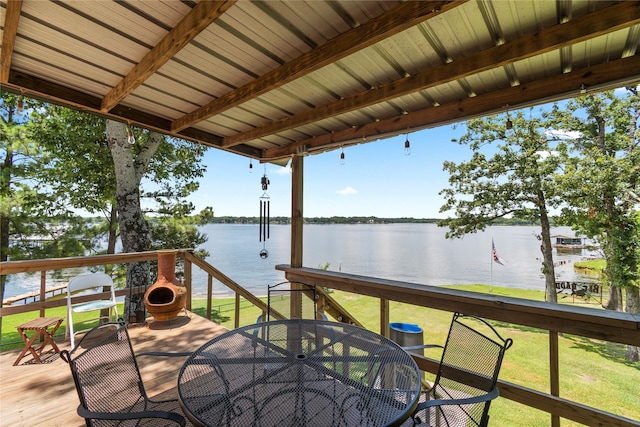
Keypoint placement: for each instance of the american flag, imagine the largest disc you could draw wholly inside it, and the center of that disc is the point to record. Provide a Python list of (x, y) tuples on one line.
[(496, 258)]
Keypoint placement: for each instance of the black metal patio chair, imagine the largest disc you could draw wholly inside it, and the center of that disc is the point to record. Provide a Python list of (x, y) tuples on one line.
[(109, 384), (279, 302), (465, 383)]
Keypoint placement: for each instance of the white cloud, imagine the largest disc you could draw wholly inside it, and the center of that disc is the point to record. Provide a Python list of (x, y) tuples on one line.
[(347, 191), (283, 170)]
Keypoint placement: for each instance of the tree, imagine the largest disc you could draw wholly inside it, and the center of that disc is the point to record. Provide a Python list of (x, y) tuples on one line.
[(75, 170), (80, 170), (516, 181), (28, 207), (132, 160), (81, 150), (601, 182)]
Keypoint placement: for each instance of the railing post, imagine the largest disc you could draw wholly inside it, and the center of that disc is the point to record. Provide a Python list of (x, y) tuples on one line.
[(384, 317), (554, 372)]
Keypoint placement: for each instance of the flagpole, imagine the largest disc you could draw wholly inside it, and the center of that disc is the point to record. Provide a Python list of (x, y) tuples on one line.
[(491, 262)]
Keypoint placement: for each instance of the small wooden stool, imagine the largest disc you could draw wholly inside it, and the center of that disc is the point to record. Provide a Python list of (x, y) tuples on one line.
[(41, 327)]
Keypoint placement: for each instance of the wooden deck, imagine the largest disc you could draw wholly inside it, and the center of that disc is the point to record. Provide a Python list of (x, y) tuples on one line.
[(44, 395)]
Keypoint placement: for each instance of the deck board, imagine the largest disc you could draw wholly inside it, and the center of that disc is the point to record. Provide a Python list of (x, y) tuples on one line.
[(36, 395)]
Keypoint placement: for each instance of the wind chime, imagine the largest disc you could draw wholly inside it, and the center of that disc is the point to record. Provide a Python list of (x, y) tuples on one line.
[(264, 216)]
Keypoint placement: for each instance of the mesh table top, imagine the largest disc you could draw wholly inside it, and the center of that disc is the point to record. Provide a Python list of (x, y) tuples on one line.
[(299, 373)]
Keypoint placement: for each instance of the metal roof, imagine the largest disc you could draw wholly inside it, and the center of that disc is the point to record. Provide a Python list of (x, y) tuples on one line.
[(274, 78)]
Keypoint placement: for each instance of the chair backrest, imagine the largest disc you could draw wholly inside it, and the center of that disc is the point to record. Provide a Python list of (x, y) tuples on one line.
[(96, 282), (89, 281), (288, 300), (470, 365), (105, 371)]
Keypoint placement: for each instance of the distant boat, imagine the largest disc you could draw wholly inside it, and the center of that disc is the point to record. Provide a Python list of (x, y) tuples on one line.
[(570, 242)]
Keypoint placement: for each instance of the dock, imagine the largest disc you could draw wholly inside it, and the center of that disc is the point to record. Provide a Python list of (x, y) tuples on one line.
[(50, 292)]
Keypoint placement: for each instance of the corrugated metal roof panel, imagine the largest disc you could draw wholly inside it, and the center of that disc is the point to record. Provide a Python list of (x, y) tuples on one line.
[(237, 75)]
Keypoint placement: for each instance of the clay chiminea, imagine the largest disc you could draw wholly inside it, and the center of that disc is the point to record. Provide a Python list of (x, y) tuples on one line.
[(167, 296)]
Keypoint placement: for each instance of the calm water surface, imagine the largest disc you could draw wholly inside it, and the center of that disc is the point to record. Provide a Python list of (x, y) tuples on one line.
[(417, 253)]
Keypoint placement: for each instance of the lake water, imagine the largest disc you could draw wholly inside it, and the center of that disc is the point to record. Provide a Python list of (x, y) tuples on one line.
[(417, 253)]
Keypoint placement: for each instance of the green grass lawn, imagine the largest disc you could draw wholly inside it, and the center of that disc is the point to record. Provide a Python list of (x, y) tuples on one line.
[(593, 373)]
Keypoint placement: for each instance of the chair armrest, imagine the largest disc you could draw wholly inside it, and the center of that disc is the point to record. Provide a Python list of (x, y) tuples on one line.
[(420, 347), (177, 418), (465, 401)]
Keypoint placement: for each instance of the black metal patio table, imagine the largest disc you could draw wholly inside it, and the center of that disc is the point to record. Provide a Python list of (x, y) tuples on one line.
[(299, 373)]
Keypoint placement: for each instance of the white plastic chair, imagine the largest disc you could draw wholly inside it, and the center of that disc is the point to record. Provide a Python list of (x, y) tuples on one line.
[(95, 282)]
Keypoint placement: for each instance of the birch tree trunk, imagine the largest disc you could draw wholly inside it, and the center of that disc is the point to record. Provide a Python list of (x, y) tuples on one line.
[(633, 306), (131, 161)]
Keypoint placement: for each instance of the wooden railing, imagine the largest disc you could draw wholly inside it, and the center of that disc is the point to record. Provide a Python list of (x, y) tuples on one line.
[(52, 264), (555, 318), (599, 324), (44, 265)]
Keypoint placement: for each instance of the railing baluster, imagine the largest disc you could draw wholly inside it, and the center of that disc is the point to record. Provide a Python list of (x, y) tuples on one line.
[(188, 282), (236, 322), (554, 372), (43, 289), (209, 295)]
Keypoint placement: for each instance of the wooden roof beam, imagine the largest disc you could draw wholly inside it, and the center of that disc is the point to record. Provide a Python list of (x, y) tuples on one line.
[(44, 90), (595, 24), (392, 22), (198, 18), (11, 19), (612, 74)]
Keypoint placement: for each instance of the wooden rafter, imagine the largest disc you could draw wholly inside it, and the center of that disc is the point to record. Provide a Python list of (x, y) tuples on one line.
[(538, 91), (392, 22), (199, 18), (76, 76), (11, 19), (611, 19), (44, 90)]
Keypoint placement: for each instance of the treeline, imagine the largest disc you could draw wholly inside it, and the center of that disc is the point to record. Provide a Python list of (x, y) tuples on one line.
[(347, 220)]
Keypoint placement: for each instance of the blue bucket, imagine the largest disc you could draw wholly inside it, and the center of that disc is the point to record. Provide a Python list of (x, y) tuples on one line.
[(406, 335), (406, 327)]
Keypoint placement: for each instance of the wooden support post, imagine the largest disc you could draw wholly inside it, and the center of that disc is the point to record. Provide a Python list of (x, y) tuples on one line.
[(297, 196), (297, 220)]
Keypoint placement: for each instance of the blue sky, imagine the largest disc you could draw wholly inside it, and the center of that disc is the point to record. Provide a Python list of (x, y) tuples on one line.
[(377, 178)]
